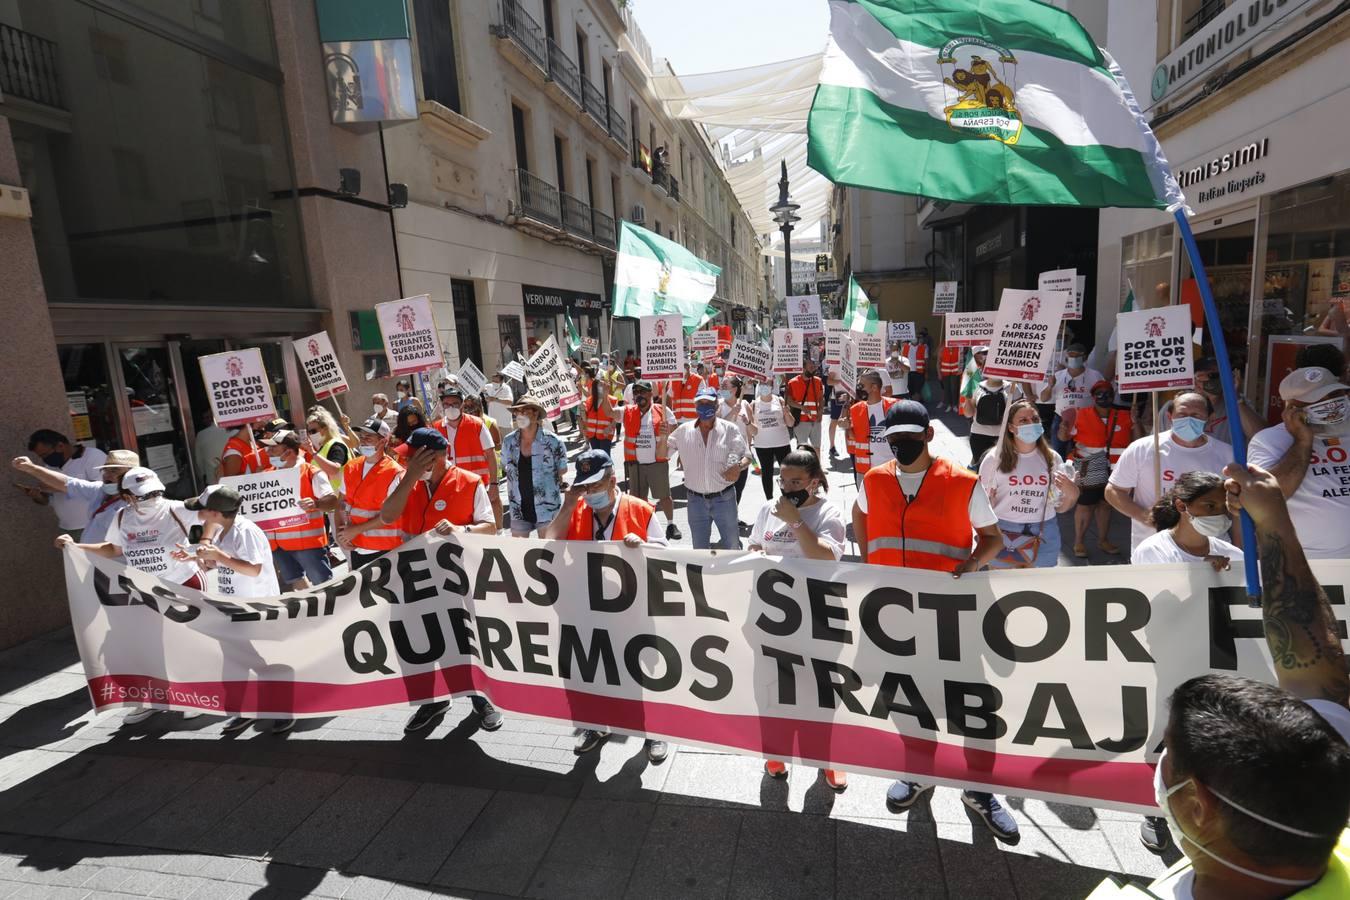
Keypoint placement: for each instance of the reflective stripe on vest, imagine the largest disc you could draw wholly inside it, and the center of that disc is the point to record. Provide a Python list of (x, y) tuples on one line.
[(915, 545), (939, 513), (860, 432), (599, 427), (950, 362), (334, 480), (808, 394), (365, 490), (632, 424), (308, 535), (684, 392), (468, 445)]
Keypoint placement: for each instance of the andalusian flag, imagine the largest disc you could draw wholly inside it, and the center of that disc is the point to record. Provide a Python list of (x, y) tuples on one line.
[(573, 339), (1127, 306), (981, 101), (655, 276), (860, 313)]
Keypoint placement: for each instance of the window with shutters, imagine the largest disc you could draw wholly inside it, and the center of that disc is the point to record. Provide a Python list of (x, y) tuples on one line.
[(436, 53)]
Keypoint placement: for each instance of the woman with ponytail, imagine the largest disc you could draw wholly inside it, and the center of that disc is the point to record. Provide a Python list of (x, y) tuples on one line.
[(1191, 518)]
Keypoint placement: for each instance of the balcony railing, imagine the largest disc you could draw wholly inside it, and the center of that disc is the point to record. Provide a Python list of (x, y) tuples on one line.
[(661, 178), (603, 227), (594, 102), (538, 198), (1208, 10), (674, 188), (562, 70), (525, 32), (576, 215), (28, 67), (618, 126)]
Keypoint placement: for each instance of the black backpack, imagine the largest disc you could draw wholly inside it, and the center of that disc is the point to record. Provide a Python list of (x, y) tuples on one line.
[(990, 407)]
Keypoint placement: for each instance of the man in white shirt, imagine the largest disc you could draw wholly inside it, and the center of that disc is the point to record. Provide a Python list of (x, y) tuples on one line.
[(73, 460), (1309, 454), (1070, 387), (713, 452), (646, 451), (103, 497), (897, 374), (1133, 488)]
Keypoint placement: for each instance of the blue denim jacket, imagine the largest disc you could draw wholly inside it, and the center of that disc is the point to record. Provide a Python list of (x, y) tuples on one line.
[(549, 458)]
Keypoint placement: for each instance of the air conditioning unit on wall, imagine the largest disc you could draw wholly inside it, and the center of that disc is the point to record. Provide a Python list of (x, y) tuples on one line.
[(639, 216)]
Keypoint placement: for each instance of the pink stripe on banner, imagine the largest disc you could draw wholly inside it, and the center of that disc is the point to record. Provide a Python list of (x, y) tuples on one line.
[(847, 746)]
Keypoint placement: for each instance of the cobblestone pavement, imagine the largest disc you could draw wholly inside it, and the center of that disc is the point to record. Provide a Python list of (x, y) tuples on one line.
[(351, 807)]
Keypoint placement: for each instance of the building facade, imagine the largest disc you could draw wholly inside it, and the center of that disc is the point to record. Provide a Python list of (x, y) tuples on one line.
[(1248, 101), (876, 238)]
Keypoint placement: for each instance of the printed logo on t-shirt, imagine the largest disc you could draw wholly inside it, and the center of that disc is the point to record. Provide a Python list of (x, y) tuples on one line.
[(439, 505)]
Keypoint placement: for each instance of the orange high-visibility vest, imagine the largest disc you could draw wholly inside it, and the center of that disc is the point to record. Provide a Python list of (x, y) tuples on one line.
[(255, 458), (632, 517), (599, 425), (860, 433), (920, 355), (452, 500), (683, 393), (949, 363), (808, 394), (713, 381), (1089, 432), (309, 535), (366, 493), (468, 443), (932, 532), (632, 424)]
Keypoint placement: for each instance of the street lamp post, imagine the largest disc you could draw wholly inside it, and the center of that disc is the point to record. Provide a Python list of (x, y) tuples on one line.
[(785, 214)]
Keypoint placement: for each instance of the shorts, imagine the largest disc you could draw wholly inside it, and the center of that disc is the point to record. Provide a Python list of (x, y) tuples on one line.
[(644, 478), (836, 408), (521, 528), (1091, 496), (292, 565)]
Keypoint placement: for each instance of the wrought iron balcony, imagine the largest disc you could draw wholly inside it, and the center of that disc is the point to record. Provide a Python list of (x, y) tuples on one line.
[(524, 32), (661, 178), (618, 126), (538, 198), (28, 67), (594, 102), (603, 227), (576, 215), (562, 70), (674, 188)]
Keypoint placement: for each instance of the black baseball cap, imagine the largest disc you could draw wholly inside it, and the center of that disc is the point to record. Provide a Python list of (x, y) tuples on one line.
[(906, 417), (218, 498), (592, 466), (426, 437)]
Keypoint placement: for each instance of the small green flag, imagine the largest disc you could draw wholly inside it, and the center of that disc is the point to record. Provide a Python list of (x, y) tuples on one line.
[(573, 339), (860, 313)]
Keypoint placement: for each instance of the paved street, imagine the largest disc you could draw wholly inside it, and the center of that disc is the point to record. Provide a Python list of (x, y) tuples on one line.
[(351, 807)]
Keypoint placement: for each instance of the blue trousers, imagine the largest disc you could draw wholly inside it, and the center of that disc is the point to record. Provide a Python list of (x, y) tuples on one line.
[(720, 509)]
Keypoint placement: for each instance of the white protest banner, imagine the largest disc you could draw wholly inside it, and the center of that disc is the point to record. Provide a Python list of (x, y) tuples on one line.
[(836, 333), (1155, 349), (411, 342), (944, 297), (547, 381), (787, 351), (1050, 683), (703, 344), (803, 314), (321, 365), (271, 499), (662, 346), (749, 358), (969, 329), (1080, 286), (900, 332), (514, 371), (1024, 334), (570, 394), (1062, 280), (236, 383), (590, 346), (870, 348), (848, 366), (471, 379)]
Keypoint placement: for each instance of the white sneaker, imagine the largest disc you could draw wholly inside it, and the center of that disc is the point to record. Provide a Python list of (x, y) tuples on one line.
[(191, 713), (139, 715)]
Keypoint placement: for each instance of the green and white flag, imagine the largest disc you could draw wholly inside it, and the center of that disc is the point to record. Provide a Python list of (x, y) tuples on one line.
[(1127, 306), (981, 101), (655, 276), (860, 313), (573, 339)]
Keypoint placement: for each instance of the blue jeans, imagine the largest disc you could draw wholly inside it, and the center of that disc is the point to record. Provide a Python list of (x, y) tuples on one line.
[(1020, 551), (1060, 447), (704, 511), (292, 565)]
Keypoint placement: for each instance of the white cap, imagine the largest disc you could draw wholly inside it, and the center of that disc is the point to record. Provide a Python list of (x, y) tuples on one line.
[(140, 481)]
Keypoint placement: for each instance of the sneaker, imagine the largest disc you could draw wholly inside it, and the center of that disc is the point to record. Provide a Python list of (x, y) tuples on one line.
[(995, 817), (489, 717), (775, 768), (425, 714), (656, 750), (236, 723), (589, 739), (836, 779), (673, 532), (903, 794), (281, 726), (139, 715), (834, 454), (1154, 833)]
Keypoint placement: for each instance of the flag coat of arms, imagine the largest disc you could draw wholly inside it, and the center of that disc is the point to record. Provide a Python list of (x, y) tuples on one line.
[(981, 101), (654, 276)]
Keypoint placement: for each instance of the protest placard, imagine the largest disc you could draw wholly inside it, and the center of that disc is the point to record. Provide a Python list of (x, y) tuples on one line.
[(969, 329), (1155, 349), (1080, 285), (803, 314), (900, 332), (836, 332), (549, 380), (870, 347), (471, 379), (321, 365), (1062, 280), (569, 395), (703, 344), (236, 384), (944, 297), (411, 342), (270, 499), (514, 371), (787, 351), (749, 358), (1025, 327), (590, 346), (848, 365), (662, 341)]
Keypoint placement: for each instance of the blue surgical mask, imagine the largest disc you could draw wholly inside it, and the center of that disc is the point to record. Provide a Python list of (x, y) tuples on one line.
[(764, 390), (725, 395), (1031, 432), (1188, 428), (705, 411), (598, 500)]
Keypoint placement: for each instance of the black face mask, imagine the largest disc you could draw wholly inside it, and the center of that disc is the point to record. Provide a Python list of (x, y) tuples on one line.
[(907, 451), (797, 498), (1212, 386), (1102, 399)]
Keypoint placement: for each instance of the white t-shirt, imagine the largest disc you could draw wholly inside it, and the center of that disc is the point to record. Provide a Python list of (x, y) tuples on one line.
[(148, 537), (980, 512), (772, 425), (1320, 507), (897, 375), (1163, 548), (1073, 390), (499, 401), (772, 535), (876, 426), (983, 389), (72, 513), (738, 413), (1026, 494), (90, 493), (645, 439), (246, 541), (1134, 471)]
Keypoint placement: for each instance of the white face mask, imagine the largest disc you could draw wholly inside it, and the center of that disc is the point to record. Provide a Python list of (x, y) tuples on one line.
[(1331, 415), (1210, 526), (148, 507), (522, 420), (366, 450), (277, 460), (378, 409), (110, 489), (1163, 796), (453, 412), (403, 395)]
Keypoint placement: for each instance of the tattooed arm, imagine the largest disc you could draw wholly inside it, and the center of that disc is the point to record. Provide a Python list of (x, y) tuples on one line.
[(1299, 623)]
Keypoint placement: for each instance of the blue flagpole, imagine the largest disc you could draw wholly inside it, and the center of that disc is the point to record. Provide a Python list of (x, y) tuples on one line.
[(1230, 401)]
